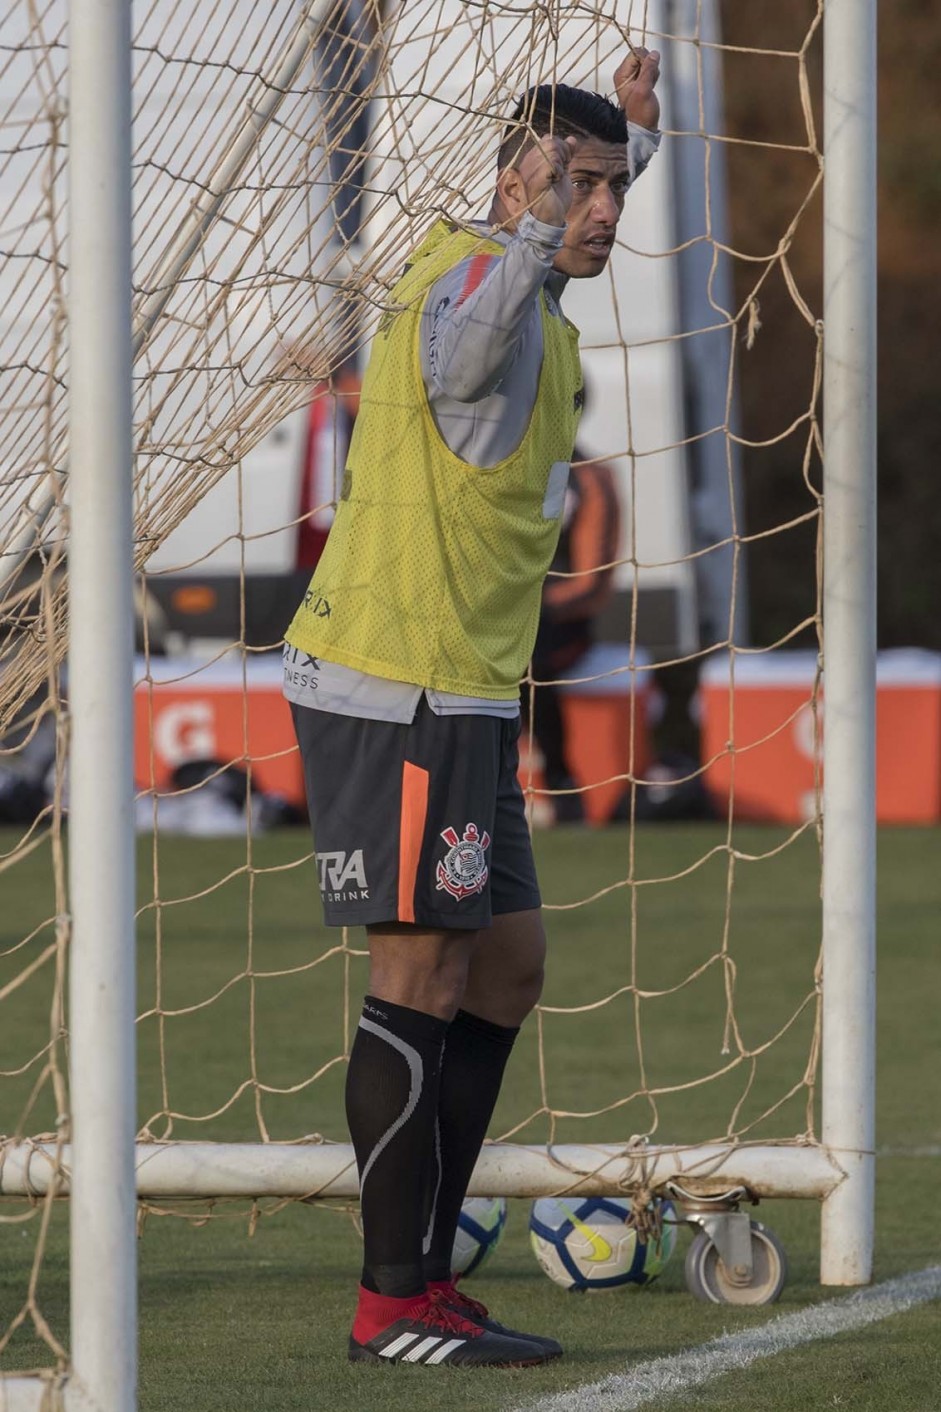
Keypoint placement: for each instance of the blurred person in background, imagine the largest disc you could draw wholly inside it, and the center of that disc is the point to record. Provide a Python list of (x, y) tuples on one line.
[(330, 419), (579, 585)]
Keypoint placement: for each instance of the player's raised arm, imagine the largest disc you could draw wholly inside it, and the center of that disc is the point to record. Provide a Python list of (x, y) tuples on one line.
[(538, 183), (477, 321), (635, 83), (476, 315)]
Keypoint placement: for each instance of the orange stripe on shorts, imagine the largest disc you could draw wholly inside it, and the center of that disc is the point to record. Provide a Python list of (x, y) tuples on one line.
[(411, 835)]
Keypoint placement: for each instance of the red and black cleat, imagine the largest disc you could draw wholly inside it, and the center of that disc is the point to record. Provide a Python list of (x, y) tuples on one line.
[(477, 1313), (434, 1332)]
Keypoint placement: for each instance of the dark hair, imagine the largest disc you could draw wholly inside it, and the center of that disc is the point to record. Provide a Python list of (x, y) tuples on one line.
[(564, 112)]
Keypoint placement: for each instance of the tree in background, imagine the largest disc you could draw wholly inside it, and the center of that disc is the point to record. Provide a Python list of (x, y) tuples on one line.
[(762, 103)]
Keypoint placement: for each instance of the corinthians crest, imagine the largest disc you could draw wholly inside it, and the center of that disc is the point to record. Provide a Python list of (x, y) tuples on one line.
[(463, 870)]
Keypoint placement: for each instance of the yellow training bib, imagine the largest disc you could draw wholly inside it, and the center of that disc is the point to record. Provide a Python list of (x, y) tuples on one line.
[(433, 570)]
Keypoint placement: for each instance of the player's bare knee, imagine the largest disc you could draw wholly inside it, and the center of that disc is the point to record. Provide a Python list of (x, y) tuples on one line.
[(422, 971), (525, 992), (433, 991), (506, 994), (507, 1003)]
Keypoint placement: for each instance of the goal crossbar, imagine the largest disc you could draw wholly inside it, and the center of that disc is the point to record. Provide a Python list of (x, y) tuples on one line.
[(322, 1170)]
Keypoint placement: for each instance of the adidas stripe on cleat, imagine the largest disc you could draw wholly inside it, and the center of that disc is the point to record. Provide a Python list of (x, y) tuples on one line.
[(479, 1314), (437, 1335)]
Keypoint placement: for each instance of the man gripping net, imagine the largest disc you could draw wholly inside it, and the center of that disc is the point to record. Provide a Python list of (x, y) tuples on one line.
[(403, 667)]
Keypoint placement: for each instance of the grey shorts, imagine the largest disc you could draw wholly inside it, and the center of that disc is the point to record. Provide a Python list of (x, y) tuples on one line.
[(420, 823)]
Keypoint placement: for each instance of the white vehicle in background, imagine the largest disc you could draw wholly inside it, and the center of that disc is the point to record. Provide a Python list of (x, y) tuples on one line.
[(235, 566)]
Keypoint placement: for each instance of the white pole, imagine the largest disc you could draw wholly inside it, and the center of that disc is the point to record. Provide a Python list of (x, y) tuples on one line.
[(101, 641), (168, 1171), (849, 634)]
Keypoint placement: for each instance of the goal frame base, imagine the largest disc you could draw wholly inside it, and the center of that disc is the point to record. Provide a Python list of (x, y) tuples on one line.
[(183, 1171)]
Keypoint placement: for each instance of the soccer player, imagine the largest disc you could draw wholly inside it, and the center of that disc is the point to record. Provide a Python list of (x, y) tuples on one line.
[(403, 666)]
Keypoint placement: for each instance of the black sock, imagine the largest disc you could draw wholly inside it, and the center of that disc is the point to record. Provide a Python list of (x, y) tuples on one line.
[(475, 1055), (391, 1101)]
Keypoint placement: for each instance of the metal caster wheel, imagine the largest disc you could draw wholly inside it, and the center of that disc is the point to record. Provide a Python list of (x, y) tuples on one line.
[(708, 1278)]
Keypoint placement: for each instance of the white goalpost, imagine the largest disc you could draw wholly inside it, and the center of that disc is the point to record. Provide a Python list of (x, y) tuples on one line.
[(96, 1150), (849, 855), (102, 968)]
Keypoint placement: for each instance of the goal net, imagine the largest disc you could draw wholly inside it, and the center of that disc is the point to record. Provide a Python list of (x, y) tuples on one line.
[(286, 159)]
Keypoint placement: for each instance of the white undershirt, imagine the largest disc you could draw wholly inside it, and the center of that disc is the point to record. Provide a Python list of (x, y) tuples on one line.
[(328, 686)]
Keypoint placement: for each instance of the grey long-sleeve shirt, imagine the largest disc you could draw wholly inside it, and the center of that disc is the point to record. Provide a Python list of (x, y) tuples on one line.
[(481, 356)]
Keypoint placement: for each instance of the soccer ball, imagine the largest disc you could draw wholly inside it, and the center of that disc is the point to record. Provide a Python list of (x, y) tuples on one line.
[(588, 1243), (479, 1228)]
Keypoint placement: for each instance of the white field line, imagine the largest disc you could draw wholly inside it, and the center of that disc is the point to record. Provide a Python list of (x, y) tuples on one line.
[(663, 1378)]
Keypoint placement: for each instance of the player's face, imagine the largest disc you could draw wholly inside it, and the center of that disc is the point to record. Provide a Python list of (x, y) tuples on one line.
[(599, 176)]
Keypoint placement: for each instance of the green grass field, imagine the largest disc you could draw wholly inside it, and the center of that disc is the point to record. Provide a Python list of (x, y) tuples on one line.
[(232, 1320)]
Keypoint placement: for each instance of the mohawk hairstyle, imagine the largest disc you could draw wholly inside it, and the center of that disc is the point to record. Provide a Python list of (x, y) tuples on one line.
[(563, 112)]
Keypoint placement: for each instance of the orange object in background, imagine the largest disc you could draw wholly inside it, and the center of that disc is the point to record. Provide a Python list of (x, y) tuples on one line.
[(596, 704), (770, 720), (188, 711), (192, 712)]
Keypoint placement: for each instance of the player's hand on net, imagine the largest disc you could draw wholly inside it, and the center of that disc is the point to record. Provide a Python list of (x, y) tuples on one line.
[(635, 82), (544, 174)]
